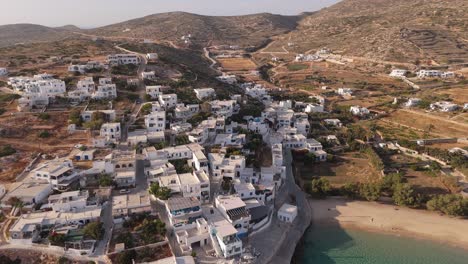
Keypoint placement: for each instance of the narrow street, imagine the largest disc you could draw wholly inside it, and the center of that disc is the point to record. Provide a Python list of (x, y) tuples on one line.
[(277, 243)]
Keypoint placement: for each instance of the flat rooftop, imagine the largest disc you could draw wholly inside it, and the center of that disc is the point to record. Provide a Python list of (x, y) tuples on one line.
[(179, 203)]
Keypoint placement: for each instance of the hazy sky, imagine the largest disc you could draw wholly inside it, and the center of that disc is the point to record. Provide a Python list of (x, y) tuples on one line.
[(91, 13)]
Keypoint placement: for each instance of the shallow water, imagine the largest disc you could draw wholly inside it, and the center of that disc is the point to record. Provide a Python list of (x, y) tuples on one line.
[(332, 244)]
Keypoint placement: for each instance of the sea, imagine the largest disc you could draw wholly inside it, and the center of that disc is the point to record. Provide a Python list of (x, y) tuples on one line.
[(335, 245)]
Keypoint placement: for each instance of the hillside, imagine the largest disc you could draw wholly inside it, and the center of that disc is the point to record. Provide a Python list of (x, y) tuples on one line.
[(395, 30), (29, 33), (205, 30)]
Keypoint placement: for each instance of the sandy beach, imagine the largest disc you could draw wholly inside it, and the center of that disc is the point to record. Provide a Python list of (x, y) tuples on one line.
[(391, 219)]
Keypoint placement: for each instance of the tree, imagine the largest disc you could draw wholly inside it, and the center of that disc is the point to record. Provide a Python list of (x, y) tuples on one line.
[(151, 230), (126, 257), (94, 230), (450, 204), (125, 238), (391, 180), (44, 134), (97, 119), (7, 151), (44, 116), (351, 190), (370, 191), (146, 109), (57, 239), (319, 187), (75, 117), (159, 192), (310, 158), (403, 195), (105, 180)]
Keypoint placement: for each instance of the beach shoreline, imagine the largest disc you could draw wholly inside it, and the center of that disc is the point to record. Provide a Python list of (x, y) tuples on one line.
[(389, 219)]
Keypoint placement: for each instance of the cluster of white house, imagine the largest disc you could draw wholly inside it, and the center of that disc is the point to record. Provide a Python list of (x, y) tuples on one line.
[(320, 55), (401, 73), (41, 89), (197, 215), (86, 67)]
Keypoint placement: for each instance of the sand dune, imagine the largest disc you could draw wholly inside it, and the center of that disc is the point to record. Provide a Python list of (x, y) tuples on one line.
[(391, 219)]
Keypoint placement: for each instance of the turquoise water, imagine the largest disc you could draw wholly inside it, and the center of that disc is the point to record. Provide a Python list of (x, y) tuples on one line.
[(334, 245)]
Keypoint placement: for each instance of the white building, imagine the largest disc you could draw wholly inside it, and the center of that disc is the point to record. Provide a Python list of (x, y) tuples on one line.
[(150, 75), (184, 112), (183, 211), (287, 213), (359, 111), (68, 201), (303, 126), (444, 106), (154, 91), (198, 234), (124, 206), (429, 73), (156, 121), (83, 68), (345, 91), (230, 167), (412, 102), (122, 59), (398, 73), (316, 148), (223, 108), (111, 132), (229, 79), (234, 211), (29, 193), (59, 172), (203, 93), (106, 91), (333, 122), (313, 108), (3, 71), (258, 125), (152, 56), (168, 100)]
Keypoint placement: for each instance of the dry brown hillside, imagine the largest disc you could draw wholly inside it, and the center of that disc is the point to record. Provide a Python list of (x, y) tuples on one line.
[(205, 30), (395, 30), (29, 33)]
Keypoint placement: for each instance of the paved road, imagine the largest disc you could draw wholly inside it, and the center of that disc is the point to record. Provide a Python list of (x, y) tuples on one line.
[(277, 243)]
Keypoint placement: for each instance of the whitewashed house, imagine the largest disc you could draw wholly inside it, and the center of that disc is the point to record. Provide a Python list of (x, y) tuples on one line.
[(168, 100), (429, 73), (152, 56), (345, 91), (122, 59), (398, 73), (234, 211), (359, 111), (156, 121), (107, 91), (3, 71), (313, 108), (444, 106), (223, 108), (287, 213), (154, 91), (412, 102), (333, 122), (203, 93), (229, 79), (59, 172), (150, 75), (111, 132)]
